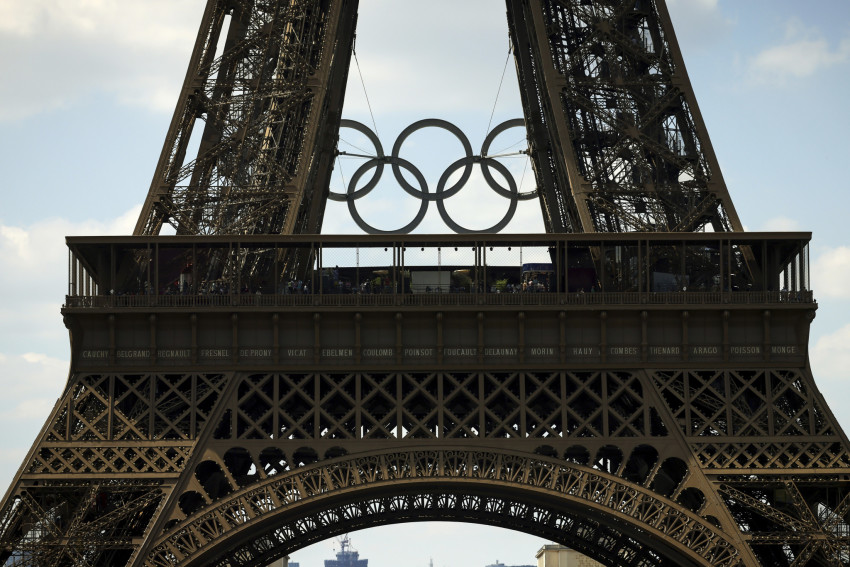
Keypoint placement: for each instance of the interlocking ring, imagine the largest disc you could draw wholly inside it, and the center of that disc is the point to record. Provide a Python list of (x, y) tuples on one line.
[(442, 192)]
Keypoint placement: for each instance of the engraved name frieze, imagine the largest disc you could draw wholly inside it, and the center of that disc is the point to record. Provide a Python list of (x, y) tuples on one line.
[(174, 353), (378, 352), (133, 353), (214, 353), (455, 351), (337, 352), (705, 350), (416, 352), (584, 351), (624, 351), (784, 349), (745, 350), (94, 354), (501, 351), (665, 350), (255, 352)]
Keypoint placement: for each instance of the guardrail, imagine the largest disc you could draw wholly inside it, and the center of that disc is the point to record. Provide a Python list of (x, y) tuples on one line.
[(437, 299)]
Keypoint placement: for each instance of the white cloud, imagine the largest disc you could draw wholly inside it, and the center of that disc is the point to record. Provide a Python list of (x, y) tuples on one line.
[(831, 272), (803, 53), (65, 50), (31, 384), (33, 265), (781, 224), (698, 24), (830, 357), (10, 459), (30, 409)]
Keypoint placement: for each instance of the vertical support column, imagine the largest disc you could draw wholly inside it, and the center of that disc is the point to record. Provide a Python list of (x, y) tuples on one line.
[(521, 335), (358, 406), (395, 269), (564, 415), (234, 339), (562, 339), (155, 283), (767, 342), (399, 406), (112, 276), (440, 345), (72, 272), (399, 344), (685, 342), (523, 405), (720, 262), (276, 337), (358, 343), (566, 269), (317, 337), (481, 417), (644, 335), (317, 406), (193, 322), (112, 346), (441, 406), (152, 328), (603, 336), (726, 335), (480, 318)]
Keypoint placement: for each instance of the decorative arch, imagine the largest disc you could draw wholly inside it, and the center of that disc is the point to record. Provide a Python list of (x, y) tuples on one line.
[(616, 522)]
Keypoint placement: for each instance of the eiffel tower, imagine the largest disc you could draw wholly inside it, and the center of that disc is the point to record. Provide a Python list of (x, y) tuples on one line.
[(236, 395)]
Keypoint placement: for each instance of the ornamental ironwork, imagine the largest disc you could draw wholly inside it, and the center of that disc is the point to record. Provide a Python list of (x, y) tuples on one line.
[(645, 398)]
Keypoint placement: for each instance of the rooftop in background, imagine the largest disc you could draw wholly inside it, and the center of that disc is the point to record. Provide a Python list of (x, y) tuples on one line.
[(346, 556)]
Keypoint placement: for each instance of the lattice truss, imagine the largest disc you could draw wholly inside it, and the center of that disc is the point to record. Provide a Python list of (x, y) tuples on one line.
[(494, 405), (616, 137), (751, 425), (159, 469), (103, 466), (755, 419), (264, 86), (277, 425)]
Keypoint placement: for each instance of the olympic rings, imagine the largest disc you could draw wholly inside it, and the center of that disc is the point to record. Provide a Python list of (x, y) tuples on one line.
[(442, 192)]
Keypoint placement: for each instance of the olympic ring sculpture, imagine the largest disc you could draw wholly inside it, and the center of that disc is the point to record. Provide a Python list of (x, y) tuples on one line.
[(422, 193)]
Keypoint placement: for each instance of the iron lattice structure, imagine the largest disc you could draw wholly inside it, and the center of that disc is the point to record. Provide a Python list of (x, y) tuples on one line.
[(616, 137), (231, 401), (265, 85)]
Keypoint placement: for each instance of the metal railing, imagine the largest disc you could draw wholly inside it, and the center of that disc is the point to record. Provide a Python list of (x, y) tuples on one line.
[(437, 299)]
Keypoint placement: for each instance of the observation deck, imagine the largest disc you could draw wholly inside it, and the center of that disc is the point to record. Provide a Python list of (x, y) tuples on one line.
[(432, 302)]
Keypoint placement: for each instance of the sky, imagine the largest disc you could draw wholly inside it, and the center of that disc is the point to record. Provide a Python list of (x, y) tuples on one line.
[(88, 88)]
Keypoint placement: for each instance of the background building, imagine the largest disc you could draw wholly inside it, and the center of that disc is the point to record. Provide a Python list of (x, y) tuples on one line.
[(560, 556)]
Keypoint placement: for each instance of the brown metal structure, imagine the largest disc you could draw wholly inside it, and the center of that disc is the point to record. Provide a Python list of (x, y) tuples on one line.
[(265, 87), (615, 134), (245, 388)]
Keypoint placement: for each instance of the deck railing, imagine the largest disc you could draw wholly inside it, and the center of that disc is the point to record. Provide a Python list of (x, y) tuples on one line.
[(437, 299)]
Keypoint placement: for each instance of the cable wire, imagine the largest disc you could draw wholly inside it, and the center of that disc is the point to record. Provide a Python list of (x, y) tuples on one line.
[(341, 139), (499, 91), (362, 82), (341, 174)]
